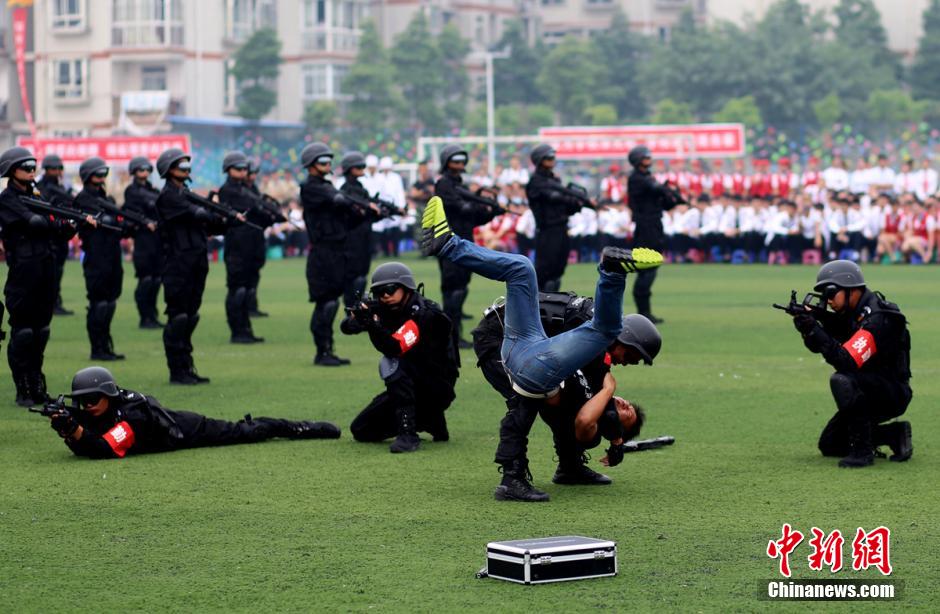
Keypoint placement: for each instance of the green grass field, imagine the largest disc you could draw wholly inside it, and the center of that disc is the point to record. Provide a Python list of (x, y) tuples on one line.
[(340, 526)]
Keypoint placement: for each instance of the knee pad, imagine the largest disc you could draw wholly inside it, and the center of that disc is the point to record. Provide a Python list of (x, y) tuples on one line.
[(329, 310), (42, 336), (845, 391), (21, 338), (389, 369), (178, 326), (552, 285)]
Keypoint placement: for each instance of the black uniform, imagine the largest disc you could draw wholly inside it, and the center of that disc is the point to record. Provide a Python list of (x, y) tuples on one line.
[(55, 193), (419, 365), (463, 216), (358, 243), (184, 229), (648, 200), (104, 273), (559, 312), (328, 222), (30, 289), (259, 253), (244, 254), (138, 424), (551, 208), (141, 197), (870, 351)]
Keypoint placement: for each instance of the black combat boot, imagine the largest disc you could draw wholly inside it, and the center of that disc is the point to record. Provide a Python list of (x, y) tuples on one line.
[(407, 440), (326, 358), (516, 484), (861, 451), (437, 427), (36, 382), (575, 471), (897, 436), (24, 397), (305, 429)]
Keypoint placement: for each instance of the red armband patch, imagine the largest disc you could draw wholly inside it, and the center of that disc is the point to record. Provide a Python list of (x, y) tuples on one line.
[(607, 359), (120, 438), (407, 335), (861, 346)]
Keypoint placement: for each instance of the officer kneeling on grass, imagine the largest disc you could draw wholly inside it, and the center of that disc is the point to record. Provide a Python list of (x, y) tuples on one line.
[(109, 422), (865, 338), (419, 362)]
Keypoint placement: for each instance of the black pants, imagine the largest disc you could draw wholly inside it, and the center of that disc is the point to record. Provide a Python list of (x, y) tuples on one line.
[(405, 390), (864, 400), (30, 295), (200, 431), (455, 281), (61, 250), (148, 268), (184, 281), (515, 426), (643, 290), (326, 277), (551, 257)]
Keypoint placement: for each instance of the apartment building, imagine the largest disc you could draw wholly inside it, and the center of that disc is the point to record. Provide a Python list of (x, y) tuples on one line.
[(95, 67), (560, 18)]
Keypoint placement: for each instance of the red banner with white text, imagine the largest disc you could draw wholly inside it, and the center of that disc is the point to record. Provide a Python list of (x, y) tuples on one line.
[(667, 141), (19, 52), (114, 149)]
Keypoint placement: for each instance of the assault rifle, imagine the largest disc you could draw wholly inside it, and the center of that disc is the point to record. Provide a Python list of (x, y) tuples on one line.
[(579, 193), (40, 206), (814, 304), (52, 408), (387, 208), (674, 195), (109, 207), (218, 208), (647, 444), (478, 198), (266, 204)]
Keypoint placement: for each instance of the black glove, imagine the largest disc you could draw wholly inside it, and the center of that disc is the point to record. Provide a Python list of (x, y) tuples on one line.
[(64, 424), (614, 455), (804, 323)]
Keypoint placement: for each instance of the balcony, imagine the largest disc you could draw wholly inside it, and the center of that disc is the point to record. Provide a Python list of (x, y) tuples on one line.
[(334, 40), (147, 34)]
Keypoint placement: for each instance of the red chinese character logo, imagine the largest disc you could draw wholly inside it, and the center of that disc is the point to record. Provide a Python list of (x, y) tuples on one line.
[(826, 551), (783, 547), (872, 550)]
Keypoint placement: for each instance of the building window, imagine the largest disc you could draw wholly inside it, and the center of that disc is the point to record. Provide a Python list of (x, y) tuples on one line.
[(230, 89), (70, 79), (147, 23), (332, 25), (153, 78), (340, 72), (243, 17), (315, 81), (552, 2), (68, 14)]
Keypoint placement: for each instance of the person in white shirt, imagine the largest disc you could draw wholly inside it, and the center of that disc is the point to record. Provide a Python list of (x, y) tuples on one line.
[(749, 227), (919, 230), (389, 186), (860, 178), (925, 180), (835, 177), (889, 236), (782, 234), (728, 228), (906, 180), (687, 222), (515, 173), (614, 224), (711, 217), (525, 233), (845, 226), (881, 178)]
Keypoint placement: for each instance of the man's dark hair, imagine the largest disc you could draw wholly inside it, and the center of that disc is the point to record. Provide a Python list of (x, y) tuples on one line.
[(634, 430)]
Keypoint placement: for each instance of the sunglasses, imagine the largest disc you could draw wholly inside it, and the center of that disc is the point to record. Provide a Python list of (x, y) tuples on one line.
[(361, 167), (184, 166), (829, 292), (324, 160), (55, 168), (458, 159), (102, 173), (88, 400), (240, 167), (386, 290), (28, 167), (141, 169)]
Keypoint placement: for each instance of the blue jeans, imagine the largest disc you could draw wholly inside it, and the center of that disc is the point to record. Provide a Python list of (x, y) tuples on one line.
[(534, 361)]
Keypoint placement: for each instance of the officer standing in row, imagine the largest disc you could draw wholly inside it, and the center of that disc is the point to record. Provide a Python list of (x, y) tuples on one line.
[(359, 239), (551, 208), (53, 191), (463, 214), (184, 228), (261, 248), (648, 199), (141, 197), (30, 289), (327, 218), (110, 422), (104, 273), (419, 364), (865, 338), (241, 247)]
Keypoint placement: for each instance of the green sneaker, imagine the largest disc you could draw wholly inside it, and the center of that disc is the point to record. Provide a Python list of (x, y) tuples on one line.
[(617, 260), (435, 231)]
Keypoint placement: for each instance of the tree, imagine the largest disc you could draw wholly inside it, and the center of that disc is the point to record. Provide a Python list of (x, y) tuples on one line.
[(568, 76), (925, 73), (257, 63), (743, 110), (828, 110), (893, 107), (514, 77), (601, 115), (370, 82), (321, 116), (453, 50), (415, 58), (671, 112), (619, 56), (859, 27)]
